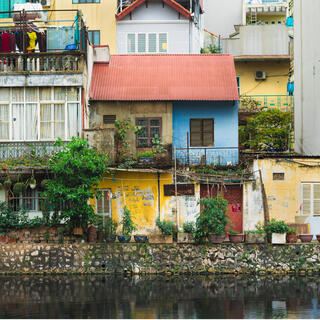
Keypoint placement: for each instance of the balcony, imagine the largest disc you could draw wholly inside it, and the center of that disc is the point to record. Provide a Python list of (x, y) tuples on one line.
[(41, 62), (207, 156), (14, 150), (255, 103)]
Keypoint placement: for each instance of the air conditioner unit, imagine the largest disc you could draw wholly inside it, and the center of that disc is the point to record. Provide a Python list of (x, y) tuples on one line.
[(45, 3), (260, 75)]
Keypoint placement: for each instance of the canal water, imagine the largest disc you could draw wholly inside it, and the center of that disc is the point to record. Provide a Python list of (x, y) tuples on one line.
[(159, 297)]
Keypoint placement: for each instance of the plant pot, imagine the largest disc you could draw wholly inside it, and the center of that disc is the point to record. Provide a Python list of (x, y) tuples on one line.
[(92, 234), (110, 238), (318, 237), (278, 238), (78, 231), (160, 238), (12, 240), (3, 239), (255, 237), (236, 238), (184, 237), (124, 239), (140, 239), (216, 238), (305, 237), (99, 236), (292, 238), (145, 160)]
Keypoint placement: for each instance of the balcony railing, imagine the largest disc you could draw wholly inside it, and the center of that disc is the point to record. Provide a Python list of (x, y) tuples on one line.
[(41, 62), (263, 102), (19, 149), (207, 156)]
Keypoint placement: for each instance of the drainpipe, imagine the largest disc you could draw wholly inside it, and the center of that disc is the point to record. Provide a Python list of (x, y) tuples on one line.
[(159, 210)]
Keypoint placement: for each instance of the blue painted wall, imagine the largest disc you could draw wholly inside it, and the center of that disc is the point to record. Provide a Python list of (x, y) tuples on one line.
[(225, 115)]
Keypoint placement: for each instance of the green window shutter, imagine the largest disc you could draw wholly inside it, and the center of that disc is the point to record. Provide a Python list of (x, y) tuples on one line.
[(163, 42), (142, 42), (131, 43), (152, 41), (207, 132), (195, 132)]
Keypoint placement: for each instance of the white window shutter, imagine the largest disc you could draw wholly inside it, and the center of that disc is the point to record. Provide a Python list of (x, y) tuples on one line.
[(306, 199)]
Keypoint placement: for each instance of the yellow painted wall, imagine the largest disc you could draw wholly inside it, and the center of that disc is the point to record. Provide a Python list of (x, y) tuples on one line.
[(284, 197), (275, 83), (139, 192), (97, 16)]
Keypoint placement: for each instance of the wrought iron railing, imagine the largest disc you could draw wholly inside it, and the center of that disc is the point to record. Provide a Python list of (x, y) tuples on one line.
[(19, 149), (264, 102), (207, 156), (41, 62)]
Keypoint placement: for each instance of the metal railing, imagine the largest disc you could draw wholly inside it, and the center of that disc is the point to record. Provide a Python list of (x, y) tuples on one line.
[(18, 149), (207, 156), (264, 102), (41, 62)]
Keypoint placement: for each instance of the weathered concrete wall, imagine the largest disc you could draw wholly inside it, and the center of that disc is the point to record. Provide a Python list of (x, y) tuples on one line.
[(145, 258)]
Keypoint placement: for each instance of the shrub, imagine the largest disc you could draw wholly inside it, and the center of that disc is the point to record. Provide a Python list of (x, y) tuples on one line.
[(292, 231), (128, 226), (109, 227), (213, 218), (189, 227), (275, 226), (166, 227), (11, 219)]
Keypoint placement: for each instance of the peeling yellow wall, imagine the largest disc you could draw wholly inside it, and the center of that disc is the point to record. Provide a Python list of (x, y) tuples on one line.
[(139, 192), (275, 83)]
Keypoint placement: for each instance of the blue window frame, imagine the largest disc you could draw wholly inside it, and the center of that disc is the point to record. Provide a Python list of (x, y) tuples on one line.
[(94, 37)]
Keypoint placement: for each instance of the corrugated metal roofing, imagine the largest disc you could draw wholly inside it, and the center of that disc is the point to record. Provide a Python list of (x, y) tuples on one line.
[(165, 78)]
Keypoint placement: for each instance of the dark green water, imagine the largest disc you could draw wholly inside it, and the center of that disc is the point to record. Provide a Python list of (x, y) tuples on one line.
[(159, 297)]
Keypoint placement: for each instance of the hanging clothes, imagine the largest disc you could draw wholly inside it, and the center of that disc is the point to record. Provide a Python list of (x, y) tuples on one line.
[(12, 42), (32, 40), (42, 40), (5, 42)]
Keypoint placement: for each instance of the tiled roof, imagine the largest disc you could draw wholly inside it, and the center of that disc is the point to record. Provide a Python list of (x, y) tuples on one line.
[(165, 78), (175, 5)]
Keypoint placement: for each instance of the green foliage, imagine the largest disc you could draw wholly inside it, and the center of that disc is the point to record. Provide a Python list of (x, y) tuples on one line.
[(26, 160), (19, 187), (213, 218), (128, 226), (121, 138), (211, 49), (268, 131), (292, 231), (77, 171), (106, 225), (157, 145), (275, 226), (147, 154), (11, 219), (189, 227), (166, 227)]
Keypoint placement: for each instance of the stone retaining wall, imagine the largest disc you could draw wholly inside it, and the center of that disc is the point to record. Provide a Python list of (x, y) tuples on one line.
[(147, 258)]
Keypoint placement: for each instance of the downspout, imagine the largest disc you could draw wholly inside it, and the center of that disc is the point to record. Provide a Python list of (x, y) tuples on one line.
[(159, 211), (190, 28), (83, 107), (301, 80)]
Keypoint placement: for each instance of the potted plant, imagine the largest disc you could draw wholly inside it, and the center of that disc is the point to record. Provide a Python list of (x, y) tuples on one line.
[(292, 235), (145, 157), (166, 228), (109, 228), (235, 237), (187, 235), (278, 230), (255, 236), (128, 226), (19, 187), (140, 238), (3, 237), (7, 184), (212, 221), (305, 237), (32, 183)]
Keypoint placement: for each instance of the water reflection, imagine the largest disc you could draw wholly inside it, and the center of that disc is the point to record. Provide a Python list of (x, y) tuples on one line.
[(159, 297)]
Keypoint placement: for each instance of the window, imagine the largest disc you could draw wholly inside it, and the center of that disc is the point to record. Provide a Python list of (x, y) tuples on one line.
[(85, 1), (28, 200), (103, 204), (310, 198), (201, 132), (147, 43), (278, 176), (94, 37), (109, 118), (238, 84), (31, 114), (149, 128)]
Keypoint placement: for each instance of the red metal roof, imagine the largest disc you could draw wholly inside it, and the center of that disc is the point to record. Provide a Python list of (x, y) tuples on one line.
[(165, 78), (175, 5)]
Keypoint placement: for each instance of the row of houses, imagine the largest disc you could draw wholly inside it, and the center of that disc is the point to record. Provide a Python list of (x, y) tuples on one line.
[(187, 107)]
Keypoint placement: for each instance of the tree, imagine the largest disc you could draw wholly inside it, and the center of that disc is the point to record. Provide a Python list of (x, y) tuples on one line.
[(77, 170), (268, 131)]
